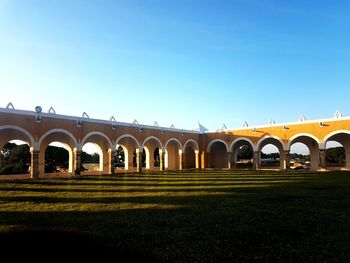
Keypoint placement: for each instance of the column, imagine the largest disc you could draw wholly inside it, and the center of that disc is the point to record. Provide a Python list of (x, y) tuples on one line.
[(161, 160), (323, 164), (77, 162), (138, 161), (203, 161), (111, 155), (286, 161), (197, 159), (256, 160), (181, 160), (229, 160), (34, 163)]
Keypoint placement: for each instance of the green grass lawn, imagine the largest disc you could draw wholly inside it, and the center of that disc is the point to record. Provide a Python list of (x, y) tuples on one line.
[(212, 216)]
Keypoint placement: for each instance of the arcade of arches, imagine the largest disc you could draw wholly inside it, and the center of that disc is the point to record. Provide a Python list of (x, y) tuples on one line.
[(130, 147)]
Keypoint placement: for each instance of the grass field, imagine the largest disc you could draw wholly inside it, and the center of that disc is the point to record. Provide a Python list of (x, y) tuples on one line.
[(212, 216)]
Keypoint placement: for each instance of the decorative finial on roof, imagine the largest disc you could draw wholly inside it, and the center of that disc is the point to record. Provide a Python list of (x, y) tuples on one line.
[(84, 115), (51, 110), (10, 105), (337, 115), (302, 118)]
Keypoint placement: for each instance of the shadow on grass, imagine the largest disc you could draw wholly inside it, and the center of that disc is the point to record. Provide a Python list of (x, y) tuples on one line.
[(304, 221), (45, 245)]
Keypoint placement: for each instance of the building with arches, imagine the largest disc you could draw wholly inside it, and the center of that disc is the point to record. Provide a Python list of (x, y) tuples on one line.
[(167, 148)]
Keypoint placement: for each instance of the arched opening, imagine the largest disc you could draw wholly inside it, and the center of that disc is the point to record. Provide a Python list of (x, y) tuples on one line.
[(57, 158), (190, 158), (91, 160), (128, 145), (304, 152), (299, 156), (15, 150), (338, 150), (270, 157), (335, 155), (15, 158), (218, 155), (271, 153), (53, 156), (100, 145), (243, 154), (172, 156), (156, 158), (121, 158), (151, 147)]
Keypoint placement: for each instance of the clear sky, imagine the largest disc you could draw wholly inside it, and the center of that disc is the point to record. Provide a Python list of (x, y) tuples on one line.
[(177, 61)]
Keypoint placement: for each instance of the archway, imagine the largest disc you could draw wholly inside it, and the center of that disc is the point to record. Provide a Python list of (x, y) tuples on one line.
[(337, 145), (121, 158), (243, 153), (103, 146), (15, 158), (271, 153), (190, 155), (172, 154), (129, 144), (304, 152), (91, 160), (57, 158), (16, 146), (217, 155), (58, 138), (153, 148)]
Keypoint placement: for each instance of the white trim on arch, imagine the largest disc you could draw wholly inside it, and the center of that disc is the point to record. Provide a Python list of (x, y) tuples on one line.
[(217, 140), (150, 138), (242, 139), (42, 138), (175, 140), (290, 141), (97, 133), (190, 141), (328, 136), (13, 127), (271, 137), (127, 136)]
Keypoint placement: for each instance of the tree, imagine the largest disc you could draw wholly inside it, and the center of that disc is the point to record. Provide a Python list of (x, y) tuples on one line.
[(55, 158), (15, 159), (335, 155)]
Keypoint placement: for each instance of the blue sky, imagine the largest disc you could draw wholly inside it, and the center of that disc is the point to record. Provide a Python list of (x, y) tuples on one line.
[(177, 62)]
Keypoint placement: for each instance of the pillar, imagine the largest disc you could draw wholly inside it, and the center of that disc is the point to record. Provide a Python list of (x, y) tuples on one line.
[(197, 158), (138, 161), (77, 162), (203, 160), (34, 163), (161, 160), (234, 160), (256, 160), (229, 160), (111, 155), (181, 160), (286, 160), (323, 164)]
